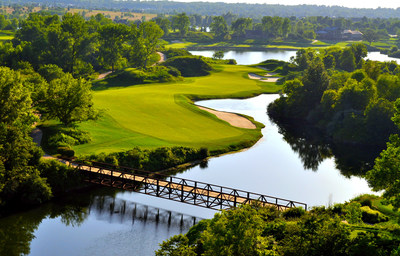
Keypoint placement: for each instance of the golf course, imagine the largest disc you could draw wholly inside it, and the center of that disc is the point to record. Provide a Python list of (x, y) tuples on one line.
[(164, 114)]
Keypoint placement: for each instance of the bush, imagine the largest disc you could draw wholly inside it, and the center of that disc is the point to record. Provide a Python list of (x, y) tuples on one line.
[(371, 216), (66, 152), (59, 176), (152, 160), (172, 52), (68, 137), (295, 212), (189, 66)]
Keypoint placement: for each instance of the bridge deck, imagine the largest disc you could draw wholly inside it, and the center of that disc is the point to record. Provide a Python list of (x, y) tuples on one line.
[(177, 189)]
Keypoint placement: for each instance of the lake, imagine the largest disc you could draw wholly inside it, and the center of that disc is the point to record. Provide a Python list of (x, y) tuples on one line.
[(111, 222), (254, 57)]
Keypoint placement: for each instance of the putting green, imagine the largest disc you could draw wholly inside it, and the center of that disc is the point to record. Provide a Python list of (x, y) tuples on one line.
[(163, 114)]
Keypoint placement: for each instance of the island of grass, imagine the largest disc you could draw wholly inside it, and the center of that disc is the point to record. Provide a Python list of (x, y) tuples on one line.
[(163, 114)]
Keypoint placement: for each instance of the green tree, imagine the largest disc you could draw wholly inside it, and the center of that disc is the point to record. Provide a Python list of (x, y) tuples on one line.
[(176, 246), (347, 60), (218, 55), (182, 22), (219, 27), (240, 26), (69, 100), (147, 40), (163, 23), (386, 172), (237, 232), (20, 181), (112, 36), (370, 35)]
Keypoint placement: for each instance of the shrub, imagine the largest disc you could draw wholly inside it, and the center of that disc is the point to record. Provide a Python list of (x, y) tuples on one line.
[(152, 160), (189, 66), (66, 152), (59, 176), (295, 212), (172, 52), (68, 137), (372, 216)]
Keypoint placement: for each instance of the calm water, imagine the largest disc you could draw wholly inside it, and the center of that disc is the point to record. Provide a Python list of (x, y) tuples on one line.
[(254, 57), (108, 222), (250, 57)]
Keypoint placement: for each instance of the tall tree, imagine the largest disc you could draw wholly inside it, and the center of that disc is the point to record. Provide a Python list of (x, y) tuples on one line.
[(240, 26), (181, 21), (112, 36), (147, 40), (69, 100), (219, 27)]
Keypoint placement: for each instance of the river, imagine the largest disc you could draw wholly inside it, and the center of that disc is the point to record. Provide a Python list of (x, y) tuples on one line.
[(109, 222)]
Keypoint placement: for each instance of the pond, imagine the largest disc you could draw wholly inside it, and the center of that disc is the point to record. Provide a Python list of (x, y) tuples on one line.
[(250, 57), (254, 57)]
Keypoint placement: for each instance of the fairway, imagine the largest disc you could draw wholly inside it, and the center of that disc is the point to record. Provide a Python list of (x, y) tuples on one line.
[(163, 114)]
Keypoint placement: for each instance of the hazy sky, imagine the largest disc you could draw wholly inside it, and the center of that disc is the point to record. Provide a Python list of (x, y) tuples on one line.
[(346, 3)]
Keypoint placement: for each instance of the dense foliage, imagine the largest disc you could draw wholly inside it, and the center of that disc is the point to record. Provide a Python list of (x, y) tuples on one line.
[(350, 99), (254, 230), (189, 65), (151, 159), (386, 172), (24, 179)]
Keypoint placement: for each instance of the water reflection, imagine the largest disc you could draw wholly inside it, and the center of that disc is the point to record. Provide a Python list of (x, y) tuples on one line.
[(18, 232), (313, 148)]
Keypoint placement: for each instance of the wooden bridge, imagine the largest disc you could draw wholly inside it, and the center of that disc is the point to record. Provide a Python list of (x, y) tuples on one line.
[(174, 188)]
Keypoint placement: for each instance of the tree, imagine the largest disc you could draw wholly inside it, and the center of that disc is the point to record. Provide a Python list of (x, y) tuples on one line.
[(240, 26), (347, 60), (218, 55), (20, 182), (182, 22), (386, 172), (370, 35), (145, 43), (219, 27), (163, 23), (112, 36), (69, 100), (76, 33)]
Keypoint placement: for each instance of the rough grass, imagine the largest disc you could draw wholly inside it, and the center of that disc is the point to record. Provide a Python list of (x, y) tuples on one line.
[(163, 114)]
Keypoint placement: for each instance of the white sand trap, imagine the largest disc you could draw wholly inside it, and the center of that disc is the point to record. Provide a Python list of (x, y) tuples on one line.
[(101, 76), (263, 78), (231, 118)]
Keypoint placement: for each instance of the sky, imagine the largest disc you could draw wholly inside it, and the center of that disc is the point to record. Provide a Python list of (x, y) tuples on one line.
[(346, 3)]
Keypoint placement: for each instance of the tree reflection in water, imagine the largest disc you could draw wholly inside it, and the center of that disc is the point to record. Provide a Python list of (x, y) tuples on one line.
[(17, 230), (313, 148)]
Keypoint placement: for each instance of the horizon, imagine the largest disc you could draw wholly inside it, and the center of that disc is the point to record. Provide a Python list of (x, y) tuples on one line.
[(367, 4)]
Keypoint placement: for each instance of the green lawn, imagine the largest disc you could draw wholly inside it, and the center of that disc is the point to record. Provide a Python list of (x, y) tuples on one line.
[(163, 115)]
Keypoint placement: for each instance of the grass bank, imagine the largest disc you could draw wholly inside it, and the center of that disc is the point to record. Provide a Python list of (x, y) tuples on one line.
[(257, 45), (162, 114)]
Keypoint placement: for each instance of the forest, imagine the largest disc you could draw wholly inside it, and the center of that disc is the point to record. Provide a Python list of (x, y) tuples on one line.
[(204, 8)]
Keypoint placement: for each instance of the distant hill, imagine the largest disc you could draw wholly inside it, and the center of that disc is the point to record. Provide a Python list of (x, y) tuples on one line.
[(205, 8)]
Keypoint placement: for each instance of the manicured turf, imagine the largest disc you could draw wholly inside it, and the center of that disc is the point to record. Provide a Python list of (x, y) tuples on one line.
[(162, 114)]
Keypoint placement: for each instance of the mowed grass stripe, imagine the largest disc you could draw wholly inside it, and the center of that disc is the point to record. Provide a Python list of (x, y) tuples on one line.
[(162, 114)]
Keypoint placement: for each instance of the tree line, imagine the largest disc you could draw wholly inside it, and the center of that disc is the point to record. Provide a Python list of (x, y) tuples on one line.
[(216, 9)]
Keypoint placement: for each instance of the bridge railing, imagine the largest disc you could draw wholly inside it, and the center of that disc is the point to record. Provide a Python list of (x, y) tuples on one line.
[(229, 196)]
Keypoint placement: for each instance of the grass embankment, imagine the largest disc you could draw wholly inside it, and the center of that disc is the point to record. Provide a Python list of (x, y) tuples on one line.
[(258, 45), (162, 114)]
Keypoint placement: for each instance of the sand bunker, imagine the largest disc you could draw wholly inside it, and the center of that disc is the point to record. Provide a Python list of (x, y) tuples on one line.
[(231, 118), (265, 78)]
